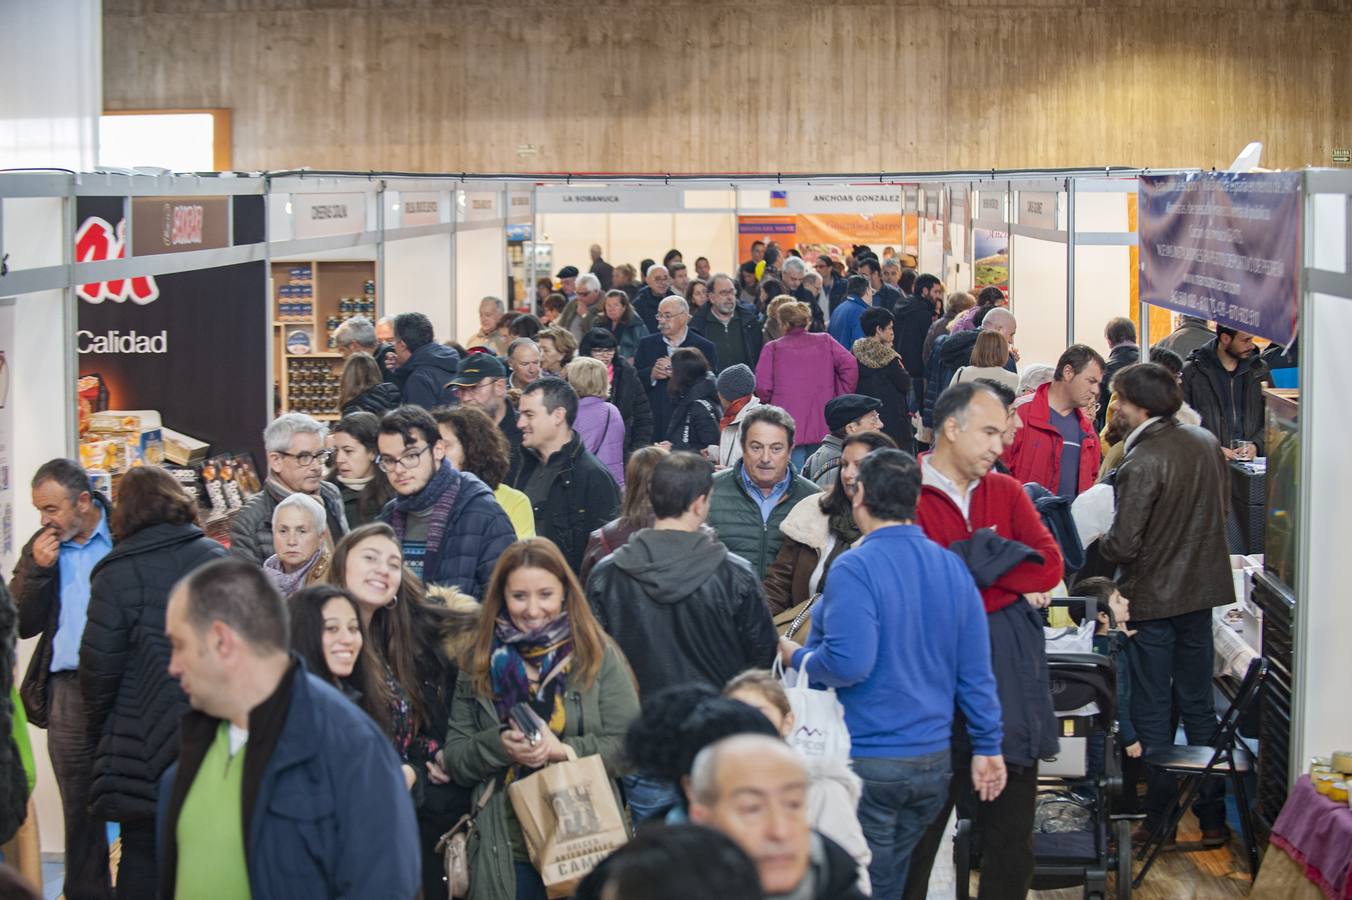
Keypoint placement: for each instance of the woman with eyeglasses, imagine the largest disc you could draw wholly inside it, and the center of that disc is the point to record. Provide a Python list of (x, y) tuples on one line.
[(417, 637), (296, 458), (626, 392), (621, 321)]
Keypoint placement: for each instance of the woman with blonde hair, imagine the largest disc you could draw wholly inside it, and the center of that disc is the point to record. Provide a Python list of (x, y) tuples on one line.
[(800, 372), (538, 646), (598, 421), (557, 347), (774, 329)]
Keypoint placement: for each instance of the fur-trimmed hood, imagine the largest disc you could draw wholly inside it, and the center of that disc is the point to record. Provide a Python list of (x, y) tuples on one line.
[(458, 637), (807, 524), (873, 354)]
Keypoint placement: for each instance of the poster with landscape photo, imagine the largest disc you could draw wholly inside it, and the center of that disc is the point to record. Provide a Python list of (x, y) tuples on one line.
[(990, 259)]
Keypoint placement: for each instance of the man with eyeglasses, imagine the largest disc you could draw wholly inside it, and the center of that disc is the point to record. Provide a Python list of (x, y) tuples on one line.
[(482, 384), (653, 359), (733, 328), (450, 528), (581, 312), (647, 300), (296, 458)]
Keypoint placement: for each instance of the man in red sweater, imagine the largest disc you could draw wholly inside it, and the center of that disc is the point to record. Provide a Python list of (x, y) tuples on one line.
[(1058, 447), (959, 496)]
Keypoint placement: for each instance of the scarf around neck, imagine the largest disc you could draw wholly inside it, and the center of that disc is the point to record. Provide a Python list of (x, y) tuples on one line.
[(550, 650), (438, 495), (356, 484), (289, 582), (733, 408)]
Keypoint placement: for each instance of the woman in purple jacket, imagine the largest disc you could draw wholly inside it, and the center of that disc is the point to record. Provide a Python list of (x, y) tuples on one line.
[(598, 422), (802, 370)]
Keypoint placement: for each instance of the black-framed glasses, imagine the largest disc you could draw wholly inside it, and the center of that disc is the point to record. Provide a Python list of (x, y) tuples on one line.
[(406, 462), (306, 458)]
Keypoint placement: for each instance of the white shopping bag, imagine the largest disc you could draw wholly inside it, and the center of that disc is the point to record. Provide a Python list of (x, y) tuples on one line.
[(1076, 639), (819, 730)]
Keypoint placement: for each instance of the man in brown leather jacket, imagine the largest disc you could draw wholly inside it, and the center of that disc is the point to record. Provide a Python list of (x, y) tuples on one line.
[(1168, 537)]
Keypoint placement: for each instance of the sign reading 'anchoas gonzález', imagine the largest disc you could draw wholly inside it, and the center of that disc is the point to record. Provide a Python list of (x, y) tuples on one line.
[(1224, 247)]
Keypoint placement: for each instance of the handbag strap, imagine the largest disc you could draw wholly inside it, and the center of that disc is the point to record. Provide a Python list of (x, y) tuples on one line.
[(797, 622), (815, 580)]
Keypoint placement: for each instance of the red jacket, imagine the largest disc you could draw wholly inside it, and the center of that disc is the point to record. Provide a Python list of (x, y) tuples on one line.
[(998, 502), (1035, 454)]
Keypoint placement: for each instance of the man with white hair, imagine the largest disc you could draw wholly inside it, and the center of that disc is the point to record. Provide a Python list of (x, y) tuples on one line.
[(753, 788), (657, 287), (296, 458), (653, 358), (792, 273), (358, 335), (581, 312), (490, 313)]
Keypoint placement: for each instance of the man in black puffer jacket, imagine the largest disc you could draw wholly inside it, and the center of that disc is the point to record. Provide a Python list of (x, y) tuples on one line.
[(133, 704), (681, 607), (425, 367), (450, 528), (13, 781)]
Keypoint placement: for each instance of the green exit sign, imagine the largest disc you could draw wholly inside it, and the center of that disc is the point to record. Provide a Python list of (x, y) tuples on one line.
[(1342, 155)]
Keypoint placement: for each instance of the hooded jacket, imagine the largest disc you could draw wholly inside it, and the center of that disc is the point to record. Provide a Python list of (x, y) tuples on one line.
[(683, 609), (1231, 407), (133, 704), (882, 376), (423, 379)]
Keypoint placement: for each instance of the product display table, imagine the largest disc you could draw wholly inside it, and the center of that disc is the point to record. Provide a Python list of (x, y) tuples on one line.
[(1314, 833)]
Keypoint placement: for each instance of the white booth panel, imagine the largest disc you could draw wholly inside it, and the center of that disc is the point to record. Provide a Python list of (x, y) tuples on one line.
[(1095, 211), (571, 235), (1102, 291), (480, 271), (707, 234), (359, 252), (1037, 291), (1330, 232), (957, 273), (418, 279), (1327, 665), (34, 232), (931, 246), (632, 237)]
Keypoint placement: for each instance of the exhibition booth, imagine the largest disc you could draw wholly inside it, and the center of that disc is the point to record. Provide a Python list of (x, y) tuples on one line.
[(152, 319)]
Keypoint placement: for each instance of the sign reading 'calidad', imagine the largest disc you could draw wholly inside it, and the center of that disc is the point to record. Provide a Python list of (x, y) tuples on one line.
[(1224, 247)]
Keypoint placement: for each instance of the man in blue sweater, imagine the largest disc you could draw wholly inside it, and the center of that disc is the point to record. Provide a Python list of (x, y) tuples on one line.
[(845, 327), (902, 638)]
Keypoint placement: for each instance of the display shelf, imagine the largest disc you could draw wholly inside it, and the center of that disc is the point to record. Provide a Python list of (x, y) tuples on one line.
[(330, 292), (280, 323)]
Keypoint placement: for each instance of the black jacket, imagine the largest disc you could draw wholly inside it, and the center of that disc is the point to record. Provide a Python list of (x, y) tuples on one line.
[(888, 297), (377, 400), (13, 780), (882, 377), (37, 595), (645, 304), (913, 316), (133, 704), (629, 397), (683, 609), (1122, 355), (423, 380), (513, 434), (604, 272), (950, 353), (650, 350), (1231, 407), (581, 497), (694, 418), (835, 293), (803, 295), (251, 529), (753, 331)]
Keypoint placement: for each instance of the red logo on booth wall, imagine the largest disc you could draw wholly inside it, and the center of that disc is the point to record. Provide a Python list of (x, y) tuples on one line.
[(96, 241)]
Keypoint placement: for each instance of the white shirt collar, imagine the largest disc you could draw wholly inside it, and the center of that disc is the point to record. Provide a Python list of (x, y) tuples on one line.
[(934, 478)]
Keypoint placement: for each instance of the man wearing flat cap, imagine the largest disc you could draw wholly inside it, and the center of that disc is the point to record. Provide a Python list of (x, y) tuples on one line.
[(568, 282), (845, 415)]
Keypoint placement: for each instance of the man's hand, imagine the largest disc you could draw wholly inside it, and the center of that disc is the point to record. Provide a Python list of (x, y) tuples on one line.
[(410, 777), (1014, 352), (46, 548), (988, 776), (1134, 750), (1228, 453), (1038, 600), (662, 368), (787, 649)]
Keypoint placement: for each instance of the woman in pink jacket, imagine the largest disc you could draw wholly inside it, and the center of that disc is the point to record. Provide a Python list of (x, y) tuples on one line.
[(802, 370)]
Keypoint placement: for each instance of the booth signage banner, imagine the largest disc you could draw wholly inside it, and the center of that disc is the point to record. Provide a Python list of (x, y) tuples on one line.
[(7, 486), (518, 206), (196, 351), (476, 206), (991, 207), (814, 235), (932, 205), (849, 199), (1038, 209), (911, 195), (176, 224), (1224, 247), (608, 200), (420, 208), (326, 215)]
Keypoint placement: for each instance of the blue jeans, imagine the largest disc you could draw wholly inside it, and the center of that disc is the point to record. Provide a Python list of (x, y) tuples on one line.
[(800, 454), (649, 797), (900, 799), (1172, 658), (529, 885)]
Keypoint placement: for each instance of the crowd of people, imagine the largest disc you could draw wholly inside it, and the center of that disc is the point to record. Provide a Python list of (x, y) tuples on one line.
[(602, 515)]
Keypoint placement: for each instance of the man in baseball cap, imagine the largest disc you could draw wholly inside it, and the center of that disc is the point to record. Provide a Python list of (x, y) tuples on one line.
[(568, 281), (481, 382), (845, 415)]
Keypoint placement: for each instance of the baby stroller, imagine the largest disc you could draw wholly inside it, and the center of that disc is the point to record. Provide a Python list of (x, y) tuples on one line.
[(1078, 839)]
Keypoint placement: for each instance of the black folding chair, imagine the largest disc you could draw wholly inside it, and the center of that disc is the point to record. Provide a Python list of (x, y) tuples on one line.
[(1225, 755)]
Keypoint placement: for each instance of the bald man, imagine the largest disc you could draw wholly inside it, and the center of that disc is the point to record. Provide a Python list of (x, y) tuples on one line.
[(753, 788), (604, 271)]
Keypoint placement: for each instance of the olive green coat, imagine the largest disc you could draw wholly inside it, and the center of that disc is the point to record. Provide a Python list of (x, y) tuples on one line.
[(595, 723)]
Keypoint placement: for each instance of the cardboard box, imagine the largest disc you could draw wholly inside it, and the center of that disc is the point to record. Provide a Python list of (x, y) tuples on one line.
[(181, 449)]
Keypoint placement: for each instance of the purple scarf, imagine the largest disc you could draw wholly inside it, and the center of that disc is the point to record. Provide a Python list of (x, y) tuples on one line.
[(437, 495)]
